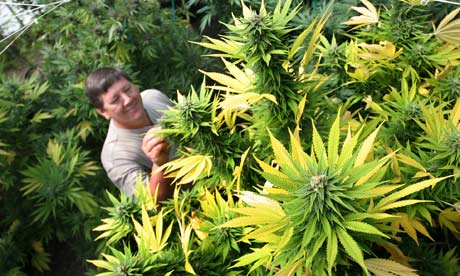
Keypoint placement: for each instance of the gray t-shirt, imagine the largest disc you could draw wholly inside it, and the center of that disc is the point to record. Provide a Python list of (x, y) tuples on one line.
[(122, 155)]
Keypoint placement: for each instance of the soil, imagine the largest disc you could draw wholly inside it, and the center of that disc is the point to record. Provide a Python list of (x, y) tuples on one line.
[(64, 262)]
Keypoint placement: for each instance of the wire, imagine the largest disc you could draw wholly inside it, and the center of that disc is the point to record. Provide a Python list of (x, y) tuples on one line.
[(32, 5), (27, 11), (425, 2), (173, 7), (26, 27)]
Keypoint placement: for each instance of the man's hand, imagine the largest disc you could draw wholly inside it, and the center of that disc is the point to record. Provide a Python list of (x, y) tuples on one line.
[(156, 148)]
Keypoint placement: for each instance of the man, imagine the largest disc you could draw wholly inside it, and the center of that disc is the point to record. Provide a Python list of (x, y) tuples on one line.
[(131, 147)]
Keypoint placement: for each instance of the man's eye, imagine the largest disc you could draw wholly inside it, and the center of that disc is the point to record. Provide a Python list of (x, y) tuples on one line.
[(127, 89), (114, 101)]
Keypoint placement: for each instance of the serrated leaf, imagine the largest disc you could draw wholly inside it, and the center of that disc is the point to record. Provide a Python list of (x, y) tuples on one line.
[(362, 216), (450, 218), (291, 269), (455, 113), (366, 148), (332, 249), (319, 148), (369, 15), (299, 112), (381, 190), (399, 204), (385, 50), (228, 81), (351, 247), (101, 264), (347, 148), (282, 155), (413, 188), (374, 171), (411, 226), (239, 74), (411, 162), (333, 142), (266, 212), (384, 267), (263, 253), (296, 46), (262, 231), (282, 183), (110, 258), (449, 29), (359, 226), (39, 116), (313, 43), (269, 169)]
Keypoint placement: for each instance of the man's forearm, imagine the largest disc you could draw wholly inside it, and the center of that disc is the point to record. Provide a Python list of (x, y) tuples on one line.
[(159, 185)]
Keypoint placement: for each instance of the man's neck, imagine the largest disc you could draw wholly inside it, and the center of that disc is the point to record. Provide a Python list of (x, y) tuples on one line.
[(143, 122)]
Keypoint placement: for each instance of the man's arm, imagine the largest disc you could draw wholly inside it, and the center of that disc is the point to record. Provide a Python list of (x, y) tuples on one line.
[(157, 149), (158, 181)]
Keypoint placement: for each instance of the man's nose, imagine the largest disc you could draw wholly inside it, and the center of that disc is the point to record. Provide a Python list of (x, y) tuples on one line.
[(126, 99)]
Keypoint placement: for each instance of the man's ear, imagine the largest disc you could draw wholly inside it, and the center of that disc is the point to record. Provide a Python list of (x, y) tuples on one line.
[(101, 112)]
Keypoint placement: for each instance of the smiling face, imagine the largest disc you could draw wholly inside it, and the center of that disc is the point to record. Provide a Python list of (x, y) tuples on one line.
[(123, 104)]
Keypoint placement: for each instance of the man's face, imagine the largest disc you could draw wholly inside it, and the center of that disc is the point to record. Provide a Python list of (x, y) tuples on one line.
[(123, 104)]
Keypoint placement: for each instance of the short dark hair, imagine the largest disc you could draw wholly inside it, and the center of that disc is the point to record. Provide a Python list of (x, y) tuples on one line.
[(99, 81)]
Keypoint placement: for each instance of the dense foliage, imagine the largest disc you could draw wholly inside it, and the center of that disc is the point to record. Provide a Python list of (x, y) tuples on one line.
[(325, 142), (339, 148), (52, 184)]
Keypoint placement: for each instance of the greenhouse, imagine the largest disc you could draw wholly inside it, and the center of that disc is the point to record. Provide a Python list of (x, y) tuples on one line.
[(238, 137)]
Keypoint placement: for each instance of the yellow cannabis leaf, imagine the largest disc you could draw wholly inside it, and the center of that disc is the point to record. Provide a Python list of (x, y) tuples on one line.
[(259, 257), (361, 74), (188, 169), (385, 50), (450, 218), (54, 151), (264, 212), (415, 2), (411, 226), (238, 171), (39, 116), (228, 47), (185, 236), (369, 15), (396, 254), (236, 105), (152, 236), (455, 113), (449, 29), (391, 201), (383, 267), (10, 155), (84, 129), (41, 259), (229, 83)]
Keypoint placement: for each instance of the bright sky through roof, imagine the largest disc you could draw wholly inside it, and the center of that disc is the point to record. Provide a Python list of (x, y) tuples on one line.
[(12, 16)]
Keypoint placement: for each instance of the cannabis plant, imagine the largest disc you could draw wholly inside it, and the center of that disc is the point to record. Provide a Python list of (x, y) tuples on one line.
[(54, 185), (208, 147), (413, 37), (280, 63), (118, 225), (442, 134), (351, 138), (400, 109), (337, 195)]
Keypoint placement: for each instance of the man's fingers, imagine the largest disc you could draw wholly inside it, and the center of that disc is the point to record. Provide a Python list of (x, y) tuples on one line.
[(151, 141), (155, 147)]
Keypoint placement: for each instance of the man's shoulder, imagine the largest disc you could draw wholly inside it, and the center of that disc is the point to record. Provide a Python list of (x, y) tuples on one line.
[(155, 103), (154, 94)]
